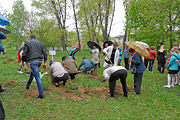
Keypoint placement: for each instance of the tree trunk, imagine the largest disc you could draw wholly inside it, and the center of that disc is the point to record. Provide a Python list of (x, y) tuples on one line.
[(112, 19), (77, 30)]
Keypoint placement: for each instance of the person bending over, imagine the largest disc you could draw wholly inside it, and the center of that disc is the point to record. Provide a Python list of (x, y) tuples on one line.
[(88, 65), (70, 66), (72, 53), (58, 73), (114, 73)]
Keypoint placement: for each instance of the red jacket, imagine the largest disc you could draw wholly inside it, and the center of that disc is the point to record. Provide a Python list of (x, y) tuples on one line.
[(152, 54)]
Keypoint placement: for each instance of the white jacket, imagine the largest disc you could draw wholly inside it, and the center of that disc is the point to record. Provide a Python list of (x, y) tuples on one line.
[(108, 51), (107, 72)]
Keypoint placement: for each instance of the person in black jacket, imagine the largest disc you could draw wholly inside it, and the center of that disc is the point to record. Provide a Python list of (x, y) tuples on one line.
[(33, 53), (161, 56), (2, 112)]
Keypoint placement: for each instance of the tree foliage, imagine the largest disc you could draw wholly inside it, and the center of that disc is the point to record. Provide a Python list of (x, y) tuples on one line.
[(153, 21)]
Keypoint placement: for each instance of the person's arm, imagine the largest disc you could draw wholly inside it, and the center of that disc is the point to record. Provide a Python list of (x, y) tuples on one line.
[(51, 74), (155, 54), (3, 36), (106, 50), (45, 56), (25, 51), (1, 48), (80, 65), (105, 74), (73, 53)]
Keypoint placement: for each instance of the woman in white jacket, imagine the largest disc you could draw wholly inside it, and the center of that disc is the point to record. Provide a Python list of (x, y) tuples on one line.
[(114, 73)]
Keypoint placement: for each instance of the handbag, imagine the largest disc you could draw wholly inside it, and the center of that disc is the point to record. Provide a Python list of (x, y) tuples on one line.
[(134, 69)]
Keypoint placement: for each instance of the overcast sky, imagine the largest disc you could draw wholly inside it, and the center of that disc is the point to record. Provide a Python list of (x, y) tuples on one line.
[(118, 22)]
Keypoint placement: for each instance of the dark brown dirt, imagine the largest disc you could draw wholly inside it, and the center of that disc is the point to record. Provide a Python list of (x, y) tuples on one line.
[(92, 76), (10, 83), (8, 59)]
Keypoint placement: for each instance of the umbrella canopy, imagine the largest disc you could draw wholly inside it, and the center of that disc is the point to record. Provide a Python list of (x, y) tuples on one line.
[(92, 43), (138, 48), (107, 42), (3, 20), (4, 30), (142, 43)]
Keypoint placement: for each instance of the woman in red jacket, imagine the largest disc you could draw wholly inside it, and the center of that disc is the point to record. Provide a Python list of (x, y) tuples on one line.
[(152, 58)]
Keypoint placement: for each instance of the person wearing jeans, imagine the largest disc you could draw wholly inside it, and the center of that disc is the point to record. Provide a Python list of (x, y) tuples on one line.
[(35, 73), (126, 57), (152, 58), (33, 53)]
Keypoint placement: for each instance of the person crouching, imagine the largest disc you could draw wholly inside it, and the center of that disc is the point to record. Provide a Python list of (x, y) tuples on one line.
[(58, 73), (114, 73)]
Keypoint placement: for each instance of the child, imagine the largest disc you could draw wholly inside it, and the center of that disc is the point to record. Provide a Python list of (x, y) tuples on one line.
[(173, 68)]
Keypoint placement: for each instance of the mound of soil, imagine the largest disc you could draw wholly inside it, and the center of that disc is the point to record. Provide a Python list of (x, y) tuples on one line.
[(92, 76), (10, 83)]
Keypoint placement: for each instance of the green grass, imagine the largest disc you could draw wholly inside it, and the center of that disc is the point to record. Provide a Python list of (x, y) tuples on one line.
[(154, 102)]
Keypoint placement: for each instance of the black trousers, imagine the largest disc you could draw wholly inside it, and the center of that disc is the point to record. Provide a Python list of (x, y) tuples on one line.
[(72, 75), (64, 78), (146, 62), (2, 112), (126, 60), (161, 67), (137, 82), (122, 74)]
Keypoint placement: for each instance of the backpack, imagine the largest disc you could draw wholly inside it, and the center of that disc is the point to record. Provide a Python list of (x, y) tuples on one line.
[(178, 62)]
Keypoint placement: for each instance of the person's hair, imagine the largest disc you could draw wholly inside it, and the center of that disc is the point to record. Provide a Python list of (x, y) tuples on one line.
[(64, 58), (32, 36), (177, 50), (152, 48), (77, 49), (171, 51), (131, 50), (176, 45), (84, 58), (51, 62), (115, 44), (161, 49)]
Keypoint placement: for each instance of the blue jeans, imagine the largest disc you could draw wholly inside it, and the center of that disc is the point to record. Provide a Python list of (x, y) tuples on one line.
[(35, 73), (151, 63)]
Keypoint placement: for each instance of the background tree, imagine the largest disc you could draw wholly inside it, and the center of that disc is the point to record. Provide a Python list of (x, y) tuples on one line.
[(18, 26)]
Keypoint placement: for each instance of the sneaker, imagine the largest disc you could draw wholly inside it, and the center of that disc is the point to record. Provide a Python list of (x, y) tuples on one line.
[(28, 73), (27, 87), (40, 96), (179, 84), (20, 72), (167, 86)]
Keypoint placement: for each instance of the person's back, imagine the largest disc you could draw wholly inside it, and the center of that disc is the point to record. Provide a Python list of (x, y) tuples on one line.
[(57, 69), (126, 54), (36, 49), (87, 63), (152, 54), (70, 66)]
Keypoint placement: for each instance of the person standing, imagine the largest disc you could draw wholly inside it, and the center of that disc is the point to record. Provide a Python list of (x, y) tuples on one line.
[(2, 36), (33, 53), (126, 57), (120, 56), (140, 68), (152, 58), (70, 66), (72, 53), (162, 55), (95, 56), (111, 55), (114, 73), (146, 60), (58, 73)]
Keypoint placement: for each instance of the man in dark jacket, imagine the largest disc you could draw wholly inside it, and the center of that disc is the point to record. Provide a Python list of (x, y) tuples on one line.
[(32, 53)]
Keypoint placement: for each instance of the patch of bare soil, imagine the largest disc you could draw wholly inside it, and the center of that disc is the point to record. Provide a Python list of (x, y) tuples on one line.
[(85, 92), (10, 83), (8, 59)]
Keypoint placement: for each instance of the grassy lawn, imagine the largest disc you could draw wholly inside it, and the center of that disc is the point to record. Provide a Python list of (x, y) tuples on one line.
[(78, 99)]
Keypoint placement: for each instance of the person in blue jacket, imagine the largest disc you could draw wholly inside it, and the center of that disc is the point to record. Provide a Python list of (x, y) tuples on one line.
[(72, 53), (173, 68), (120, 56), (140, 68), (88, 65), (2, 36)]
